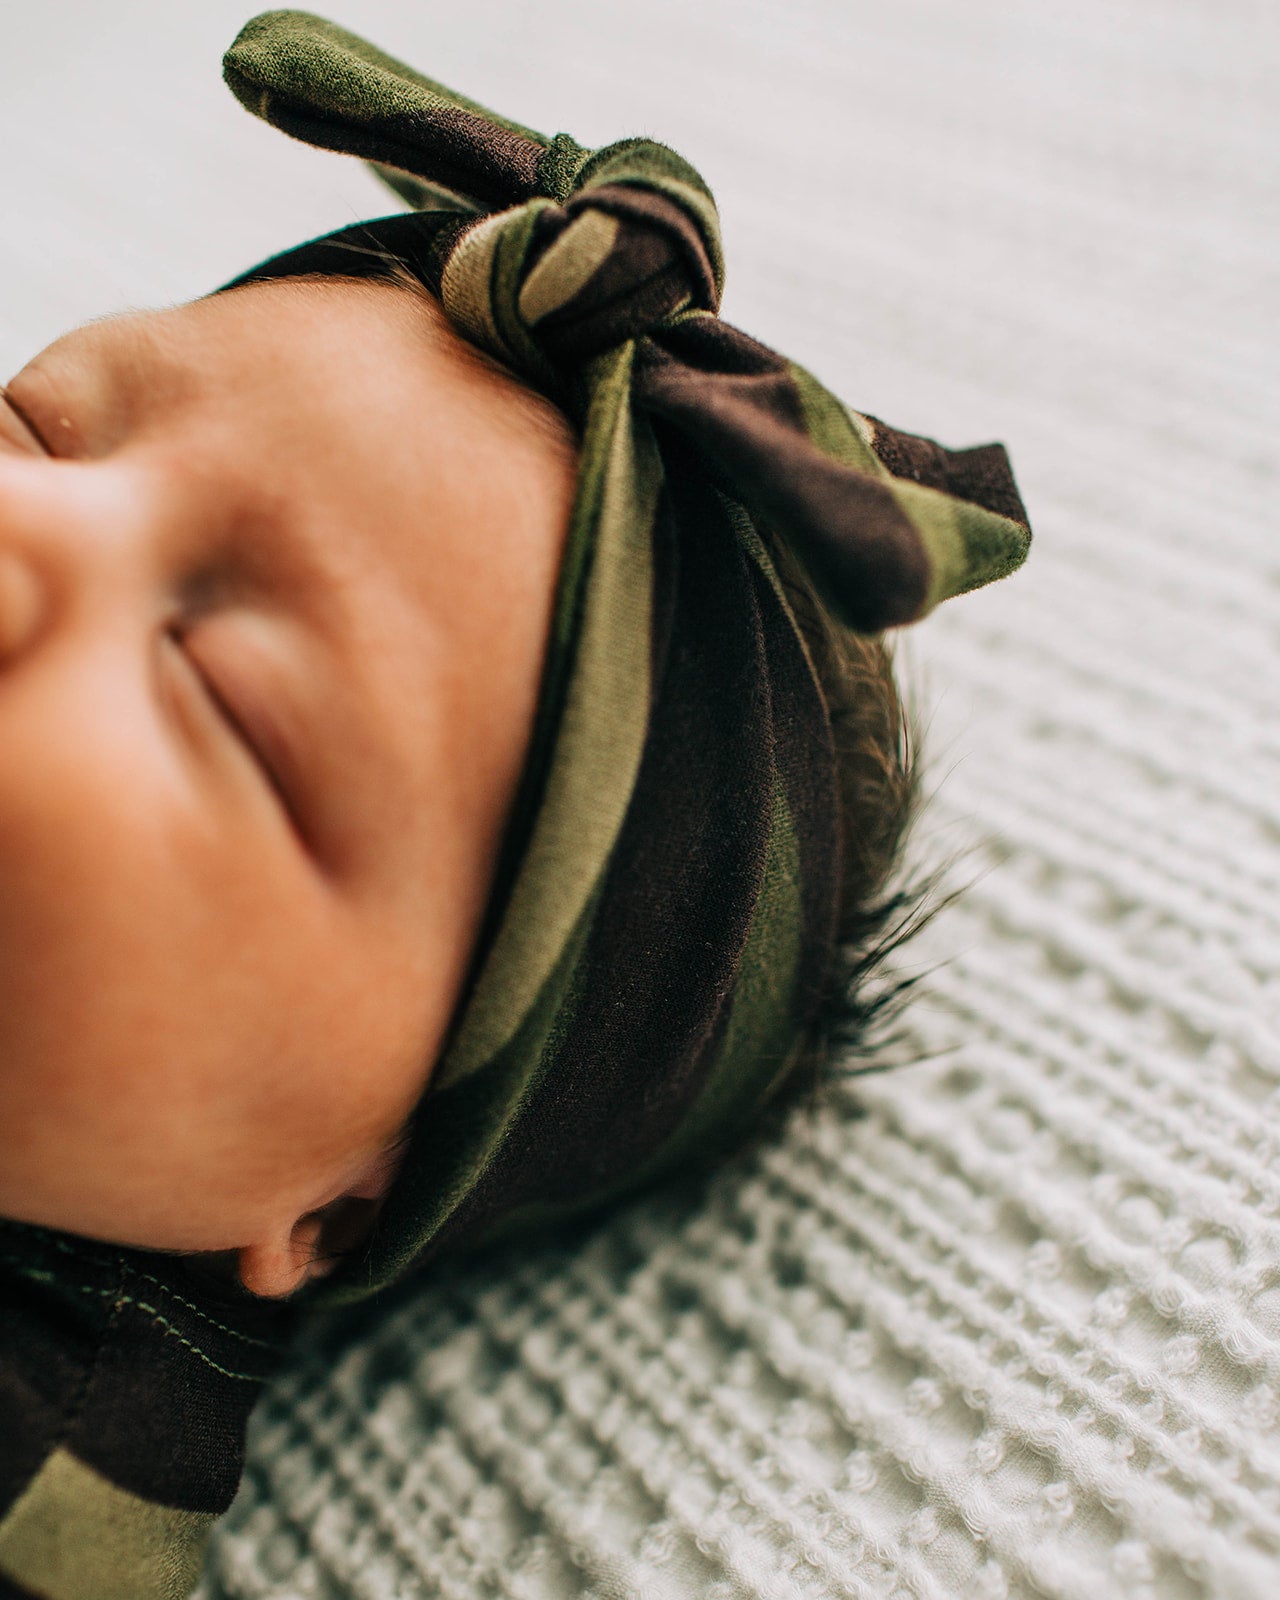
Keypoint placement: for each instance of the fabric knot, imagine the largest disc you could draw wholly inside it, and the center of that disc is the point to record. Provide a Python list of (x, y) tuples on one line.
[(549, 285), (553, 252), (611, 265)]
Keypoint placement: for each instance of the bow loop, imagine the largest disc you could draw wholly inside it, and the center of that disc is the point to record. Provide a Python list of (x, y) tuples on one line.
[(582, 250), (329, 87)]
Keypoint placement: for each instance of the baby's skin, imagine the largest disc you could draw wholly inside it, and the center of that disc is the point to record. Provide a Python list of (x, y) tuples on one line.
[(276, 573)]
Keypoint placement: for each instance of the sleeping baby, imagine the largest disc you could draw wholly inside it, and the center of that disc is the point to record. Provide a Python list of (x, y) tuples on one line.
[(452, 772)]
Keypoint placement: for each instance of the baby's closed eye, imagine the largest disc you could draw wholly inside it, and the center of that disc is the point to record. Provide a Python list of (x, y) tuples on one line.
[(247, 707)]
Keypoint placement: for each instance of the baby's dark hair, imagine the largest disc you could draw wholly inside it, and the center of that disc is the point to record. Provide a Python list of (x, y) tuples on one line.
[(881, 904)]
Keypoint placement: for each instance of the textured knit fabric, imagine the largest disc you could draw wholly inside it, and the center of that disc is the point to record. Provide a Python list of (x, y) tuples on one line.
[(660, 932)]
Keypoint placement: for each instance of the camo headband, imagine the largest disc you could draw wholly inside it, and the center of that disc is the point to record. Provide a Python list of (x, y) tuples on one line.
[(664, 915)]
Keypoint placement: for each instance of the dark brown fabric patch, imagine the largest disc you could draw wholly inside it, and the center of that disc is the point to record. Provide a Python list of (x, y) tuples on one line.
[(982, 475), (746, 419)]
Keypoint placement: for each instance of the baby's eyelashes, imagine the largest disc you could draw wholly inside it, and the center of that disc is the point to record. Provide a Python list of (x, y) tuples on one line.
[(16, 427), (52, 404)]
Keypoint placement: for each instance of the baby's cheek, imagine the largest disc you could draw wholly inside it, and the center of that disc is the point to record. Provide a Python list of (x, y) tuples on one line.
[(355, 1049), (193, 1020), (154, 1028), (301, 1025)]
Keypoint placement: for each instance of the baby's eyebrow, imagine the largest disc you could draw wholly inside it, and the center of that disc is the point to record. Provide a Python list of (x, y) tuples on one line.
[(97, 381)]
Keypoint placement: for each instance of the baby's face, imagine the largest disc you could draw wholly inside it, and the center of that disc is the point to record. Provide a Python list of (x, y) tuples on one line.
[(276, 571)]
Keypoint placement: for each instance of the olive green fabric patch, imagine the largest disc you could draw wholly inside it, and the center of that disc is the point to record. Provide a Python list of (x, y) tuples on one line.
[(72, 1535)]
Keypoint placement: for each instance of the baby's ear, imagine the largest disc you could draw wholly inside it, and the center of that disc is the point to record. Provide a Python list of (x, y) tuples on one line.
[(281, 1261)]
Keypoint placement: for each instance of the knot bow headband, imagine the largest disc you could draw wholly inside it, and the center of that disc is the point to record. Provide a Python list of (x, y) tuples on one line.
[(663, 917), (550, 256)]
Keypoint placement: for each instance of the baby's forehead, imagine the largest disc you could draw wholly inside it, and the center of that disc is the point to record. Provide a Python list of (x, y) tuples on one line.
[(298, 321), (289, 369), (354, 351)]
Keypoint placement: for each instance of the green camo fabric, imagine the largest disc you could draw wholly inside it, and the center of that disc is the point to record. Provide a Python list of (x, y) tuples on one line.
[(663, 914)]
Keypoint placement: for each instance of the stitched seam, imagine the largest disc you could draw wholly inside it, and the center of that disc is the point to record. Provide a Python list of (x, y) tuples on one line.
[(104, 1260), (162, 1321), (119, 1298), (190, 1305)]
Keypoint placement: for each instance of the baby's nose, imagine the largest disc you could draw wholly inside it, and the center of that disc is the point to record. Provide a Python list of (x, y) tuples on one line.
[(22, 606)]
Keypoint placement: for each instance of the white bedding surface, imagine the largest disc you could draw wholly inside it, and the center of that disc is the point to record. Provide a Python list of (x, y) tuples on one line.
[(1014, 1330)]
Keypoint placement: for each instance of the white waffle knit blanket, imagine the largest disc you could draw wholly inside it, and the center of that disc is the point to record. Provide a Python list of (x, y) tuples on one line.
[(1004, 1322)]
